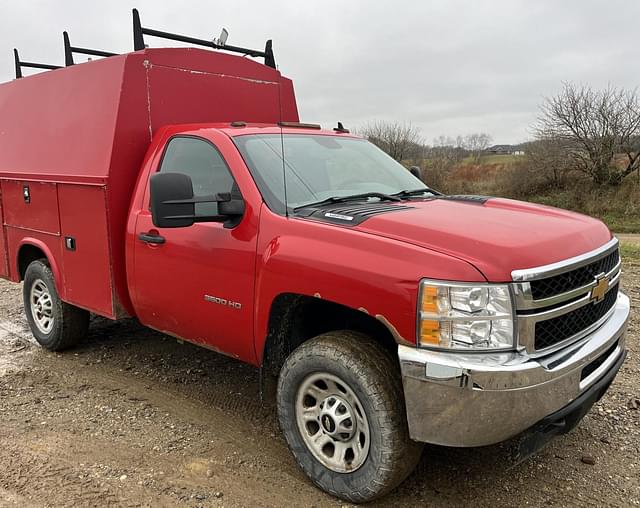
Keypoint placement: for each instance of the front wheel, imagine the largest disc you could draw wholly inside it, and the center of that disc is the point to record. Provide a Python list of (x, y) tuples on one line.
[(341, 409), (56, 325)]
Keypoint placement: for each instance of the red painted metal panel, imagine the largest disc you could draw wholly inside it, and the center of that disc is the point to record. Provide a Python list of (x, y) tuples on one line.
[(61, 122), (288, 101), (205, 96), (86, 271), (131, 142), (38, 213), (4, 268), (200, 60)]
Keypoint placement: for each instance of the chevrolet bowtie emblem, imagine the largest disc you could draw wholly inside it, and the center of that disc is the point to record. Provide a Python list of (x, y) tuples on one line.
[(600, 289)]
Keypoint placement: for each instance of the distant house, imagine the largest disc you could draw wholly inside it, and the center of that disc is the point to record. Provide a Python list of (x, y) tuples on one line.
[(505, 150)]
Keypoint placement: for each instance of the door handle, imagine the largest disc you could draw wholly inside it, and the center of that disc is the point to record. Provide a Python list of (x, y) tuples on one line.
[(150, 238)]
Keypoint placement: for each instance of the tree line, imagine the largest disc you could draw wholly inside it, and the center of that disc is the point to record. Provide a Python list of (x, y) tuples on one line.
[(580, 131), (403, 141)]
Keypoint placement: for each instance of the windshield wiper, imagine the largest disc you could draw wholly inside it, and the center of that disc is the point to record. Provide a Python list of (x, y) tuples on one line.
[(415, 192), (354, 197)]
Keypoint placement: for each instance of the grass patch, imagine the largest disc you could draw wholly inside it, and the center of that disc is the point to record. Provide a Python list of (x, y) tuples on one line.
[(621, 224), (618, 207), (630, 250)]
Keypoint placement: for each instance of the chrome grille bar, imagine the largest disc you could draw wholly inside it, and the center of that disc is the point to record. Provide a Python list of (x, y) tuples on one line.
[(542, 272), (525, 301), (531, 311)]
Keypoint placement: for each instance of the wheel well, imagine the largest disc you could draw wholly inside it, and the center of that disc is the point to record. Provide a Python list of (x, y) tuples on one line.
[(296, 318), (27, 255)]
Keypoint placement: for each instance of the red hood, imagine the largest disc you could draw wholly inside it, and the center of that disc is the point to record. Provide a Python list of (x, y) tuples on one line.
[(497, 237)]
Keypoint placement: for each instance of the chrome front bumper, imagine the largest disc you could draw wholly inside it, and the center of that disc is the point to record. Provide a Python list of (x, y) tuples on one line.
[(456, 399)]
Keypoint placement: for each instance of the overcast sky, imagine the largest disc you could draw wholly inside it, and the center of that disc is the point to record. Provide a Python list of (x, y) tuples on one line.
[(448, 67)]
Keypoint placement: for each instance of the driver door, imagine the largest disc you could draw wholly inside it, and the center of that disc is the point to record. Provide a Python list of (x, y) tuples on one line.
[(197, 282)]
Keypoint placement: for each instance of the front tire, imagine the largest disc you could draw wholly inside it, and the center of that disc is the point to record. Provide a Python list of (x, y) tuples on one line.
[(56, 325), (341, 409)]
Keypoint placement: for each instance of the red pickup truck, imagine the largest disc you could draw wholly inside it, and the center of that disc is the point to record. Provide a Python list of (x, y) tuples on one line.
[(177, 186)]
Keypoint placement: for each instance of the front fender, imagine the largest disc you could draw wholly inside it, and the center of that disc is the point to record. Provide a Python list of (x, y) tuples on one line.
[(366, 272)]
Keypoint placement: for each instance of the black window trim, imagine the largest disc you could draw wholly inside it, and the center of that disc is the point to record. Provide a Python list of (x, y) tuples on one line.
[(199, 138)]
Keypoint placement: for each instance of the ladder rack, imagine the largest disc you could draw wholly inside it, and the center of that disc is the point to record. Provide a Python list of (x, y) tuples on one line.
[(139, 44)]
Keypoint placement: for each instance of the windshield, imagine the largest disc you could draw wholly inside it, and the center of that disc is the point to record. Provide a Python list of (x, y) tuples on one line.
[(319, 167)]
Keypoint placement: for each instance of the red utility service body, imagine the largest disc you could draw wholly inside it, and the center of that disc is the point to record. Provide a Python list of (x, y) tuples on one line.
[(76, 138), (72, 187)]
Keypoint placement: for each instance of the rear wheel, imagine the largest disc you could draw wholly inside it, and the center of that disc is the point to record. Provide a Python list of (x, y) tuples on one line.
[(341, 409), (56, 325)]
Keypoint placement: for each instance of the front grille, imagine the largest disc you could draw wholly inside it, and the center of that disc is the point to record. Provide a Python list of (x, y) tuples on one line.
[(555, 330), (551, 286)]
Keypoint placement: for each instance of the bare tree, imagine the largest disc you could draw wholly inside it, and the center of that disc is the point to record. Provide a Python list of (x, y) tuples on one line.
[(546, 163), (476, 144), (597, 126), (400, 140), (446, 152), (440, 158)]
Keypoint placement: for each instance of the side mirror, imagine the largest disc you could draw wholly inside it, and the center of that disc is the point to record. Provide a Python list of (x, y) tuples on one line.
[(173, 203), (416, 171), (170, 196), (234, 207)]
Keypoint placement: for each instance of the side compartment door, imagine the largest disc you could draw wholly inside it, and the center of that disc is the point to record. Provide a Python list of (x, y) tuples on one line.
[(198, 283)]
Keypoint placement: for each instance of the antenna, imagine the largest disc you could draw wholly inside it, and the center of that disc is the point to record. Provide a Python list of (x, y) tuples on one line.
[(340, 128), (139, 32), (222, 40), (32, 65), (69, 50)]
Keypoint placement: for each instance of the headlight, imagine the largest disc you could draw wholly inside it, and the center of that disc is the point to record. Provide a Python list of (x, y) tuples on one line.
[(465, 316)]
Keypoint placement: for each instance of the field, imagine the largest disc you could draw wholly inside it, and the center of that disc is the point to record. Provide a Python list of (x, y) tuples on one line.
[(493, 159), (132, 418), (506, 176)]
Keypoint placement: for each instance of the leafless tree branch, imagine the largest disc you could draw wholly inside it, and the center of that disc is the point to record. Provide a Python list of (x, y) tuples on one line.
[(597, 126)]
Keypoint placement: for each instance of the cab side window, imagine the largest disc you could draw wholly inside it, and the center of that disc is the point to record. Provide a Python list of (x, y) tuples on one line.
[(204, 164)]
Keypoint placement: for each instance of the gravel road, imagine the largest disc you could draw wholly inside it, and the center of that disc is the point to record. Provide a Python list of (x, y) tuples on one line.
[(133, 418)]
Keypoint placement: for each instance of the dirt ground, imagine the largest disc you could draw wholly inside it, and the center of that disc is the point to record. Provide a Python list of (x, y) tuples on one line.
[(132, 418), (629, 238)]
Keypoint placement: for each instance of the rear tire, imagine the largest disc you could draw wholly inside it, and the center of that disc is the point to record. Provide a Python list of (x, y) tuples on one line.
[(341, 409), (56, 325)]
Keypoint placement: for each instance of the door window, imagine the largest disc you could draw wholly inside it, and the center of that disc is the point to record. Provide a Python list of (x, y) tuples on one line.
[(203, 163)]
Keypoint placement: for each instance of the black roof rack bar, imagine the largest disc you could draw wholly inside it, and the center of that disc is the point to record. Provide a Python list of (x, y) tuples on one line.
[(32, 65), (139, 32), (69, 50)]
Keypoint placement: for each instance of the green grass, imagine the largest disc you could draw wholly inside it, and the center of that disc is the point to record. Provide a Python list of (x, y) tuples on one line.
[(621, 224), (617, 207), (616, 220), (630, 250)]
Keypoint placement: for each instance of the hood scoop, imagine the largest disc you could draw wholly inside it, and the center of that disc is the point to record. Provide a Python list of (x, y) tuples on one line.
[(349, 214)]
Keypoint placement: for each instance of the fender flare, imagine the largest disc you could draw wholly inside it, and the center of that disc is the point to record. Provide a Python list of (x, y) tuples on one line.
[(34, 242)]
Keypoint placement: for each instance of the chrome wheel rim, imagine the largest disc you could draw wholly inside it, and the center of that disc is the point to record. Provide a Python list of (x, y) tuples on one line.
[(41, 306), (332, 422)]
